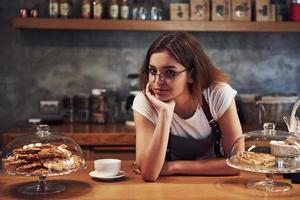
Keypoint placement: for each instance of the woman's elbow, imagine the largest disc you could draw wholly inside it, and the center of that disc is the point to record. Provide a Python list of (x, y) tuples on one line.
[(149, 177)]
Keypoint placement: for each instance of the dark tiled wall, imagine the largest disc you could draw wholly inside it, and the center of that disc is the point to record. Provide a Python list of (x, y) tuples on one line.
[(39, 64)]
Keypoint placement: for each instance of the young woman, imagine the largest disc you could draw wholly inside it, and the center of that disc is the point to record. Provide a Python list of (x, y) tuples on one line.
[(185, 108)]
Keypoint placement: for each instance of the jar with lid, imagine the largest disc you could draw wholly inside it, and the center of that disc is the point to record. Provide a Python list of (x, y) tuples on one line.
[(65, 8), (82, 107), (86, 9), (97, 9), (156, 10), (42, 154), (53, 8), (99, 106), (295, 10), (124, 9), (140, 10), (113, 9), (281, 9), (34, 12), (268, 151), (23, 12), (68, 108), (144, 10), (135, 9), (133, 82)]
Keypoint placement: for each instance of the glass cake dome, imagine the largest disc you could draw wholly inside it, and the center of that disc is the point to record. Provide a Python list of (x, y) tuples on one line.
[(267, 151), (42, 154)]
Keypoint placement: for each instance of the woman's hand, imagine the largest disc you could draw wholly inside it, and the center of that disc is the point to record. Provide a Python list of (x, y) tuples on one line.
[(165, 171), (158, 104)]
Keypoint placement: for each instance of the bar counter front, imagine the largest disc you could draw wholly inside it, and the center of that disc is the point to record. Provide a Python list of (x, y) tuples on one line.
[(79, 185), (97, 141)]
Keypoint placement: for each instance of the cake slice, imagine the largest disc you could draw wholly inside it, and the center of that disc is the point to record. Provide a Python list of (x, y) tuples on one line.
[(285, 148)]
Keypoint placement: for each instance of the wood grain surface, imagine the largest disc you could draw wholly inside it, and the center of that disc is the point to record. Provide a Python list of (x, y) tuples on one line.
[(79, 185), (84, 134)]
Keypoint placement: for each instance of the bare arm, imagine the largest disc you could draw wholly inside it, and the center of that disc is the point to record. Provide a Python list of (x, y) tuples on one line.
[(152, 141), (231, 130)]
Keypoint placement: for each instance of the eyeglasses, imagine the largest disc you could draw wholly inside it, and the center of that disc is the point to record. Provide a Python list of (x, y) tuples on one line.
[(167, 75)]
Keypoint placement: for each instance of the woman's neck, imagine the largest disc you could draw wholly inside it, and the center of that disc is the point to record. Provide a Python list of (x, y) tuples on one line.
[(186, 106)]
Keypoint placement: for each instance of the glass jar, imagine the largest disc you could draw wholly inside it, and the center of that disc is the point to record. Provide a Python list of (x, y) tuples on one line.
[(53, 8), (82, 108), (133, 81), (135, 9), (156, 10), (124, 9), (68, 108), (34, 12), (42, 154), (113, 9), (281, 9), (266, 151), (86, 9), (99, 106), (81, 101), (23, 12), (97, 9), (295, 10), (144, 10), (64, 8)]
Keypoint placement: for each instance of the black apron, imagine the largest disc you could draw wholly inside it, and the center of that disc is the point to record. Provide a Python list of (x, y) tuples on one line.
[(181, 148)]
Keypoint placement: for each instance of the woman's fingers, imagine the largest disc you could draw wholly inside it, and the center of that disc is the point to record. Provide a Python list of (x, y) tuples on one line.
[(147, 89), (149, 93)]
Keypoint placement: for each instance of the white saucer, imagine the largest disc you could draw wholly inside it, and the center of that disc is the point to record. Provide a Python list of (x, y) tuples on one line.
[(94, 174)]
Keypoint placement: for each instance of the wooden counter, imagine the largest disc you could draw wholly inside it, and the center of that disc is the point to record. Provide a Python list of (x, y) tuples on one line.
[(85, 134), (98, 141), (94, 134), (79, 185)]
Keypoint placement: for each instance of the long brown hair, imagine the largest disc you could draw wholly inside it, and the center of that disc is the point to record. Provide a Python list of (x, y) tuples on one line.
[(188, 51)]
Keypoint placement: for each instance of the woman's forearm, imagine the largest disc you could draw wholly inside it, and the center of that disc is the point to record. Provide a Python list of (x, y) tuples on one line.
[(152, 159), (201, 167)]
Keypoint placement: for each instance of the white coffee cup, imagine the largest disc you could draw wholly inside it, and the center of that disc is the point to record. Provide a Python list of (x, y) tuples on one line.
[(107, 167)]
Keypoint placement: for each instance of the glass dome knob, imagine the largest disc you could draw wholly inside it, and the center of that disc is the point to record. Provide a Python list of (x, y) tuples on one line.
[(43, 130), (269, 128)]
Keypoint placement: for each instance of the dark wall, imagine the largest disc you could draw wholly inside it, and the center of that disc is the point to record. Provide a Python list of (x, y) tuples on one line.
[(40, 64)]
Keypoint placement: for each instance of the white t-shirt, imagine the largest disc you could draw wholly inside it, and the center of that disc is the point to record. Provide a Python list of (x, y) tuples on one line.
[(218, 98)]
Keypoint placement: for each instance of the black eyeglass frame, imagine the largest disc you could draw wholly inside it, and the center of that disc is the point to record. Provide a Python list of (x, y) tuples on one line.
[(162, 76)]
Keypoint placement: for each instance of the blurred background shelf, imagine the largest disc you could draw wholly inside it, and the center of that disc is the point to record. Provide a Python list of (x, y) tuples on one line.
[(139, 25)]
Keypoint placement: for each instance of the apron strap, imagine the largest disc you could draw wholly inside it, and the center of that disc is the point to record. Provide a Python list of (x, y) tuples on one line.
[(215, 127)]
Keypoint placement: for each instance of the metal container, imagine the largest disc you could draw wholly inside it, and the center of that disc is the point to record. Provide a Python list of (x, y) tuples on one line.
[(68, 108), (82, 116), (82, 101), (273, 107), (99, 107), (82, 107), (247, 108), (255, 109), (295, 10)]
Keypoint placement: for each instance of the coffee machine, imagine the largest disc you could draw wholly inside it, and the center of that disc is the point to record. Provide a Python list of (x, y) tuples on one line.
[(133, 91)]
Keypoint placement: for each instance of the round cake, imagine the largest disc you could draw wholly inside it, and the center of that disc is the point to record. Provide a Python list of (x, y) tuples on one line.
[(285, 148)]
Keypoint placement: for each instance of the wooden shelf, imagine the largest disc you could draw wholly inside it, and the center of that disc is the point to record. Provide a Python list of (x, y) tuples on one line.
[(134, 25)]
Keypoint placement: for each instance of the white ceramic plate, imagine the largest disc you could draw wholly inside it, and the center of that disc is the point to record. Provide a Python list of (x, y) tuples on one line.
[(94, 174)]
